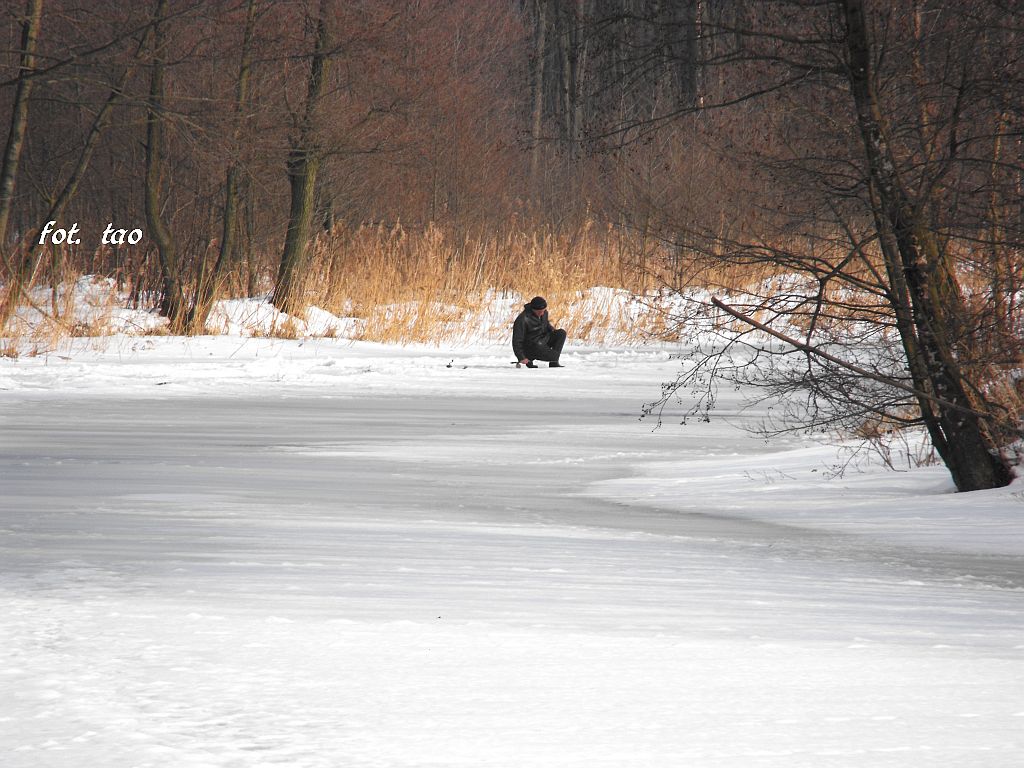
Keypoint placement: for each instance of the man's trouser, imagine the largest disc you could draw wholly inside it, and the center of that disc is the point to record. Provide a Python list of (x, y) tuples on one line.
[(550, 351)]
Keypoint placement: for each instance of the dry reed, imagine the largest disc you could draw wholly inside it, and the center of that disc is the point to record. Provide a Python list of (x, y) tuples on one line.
[(411, 286)]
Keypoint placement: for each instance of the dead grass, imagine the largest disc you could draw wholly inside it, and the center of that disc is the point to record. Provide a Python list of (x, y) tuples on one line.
[(288, 328), (410, 286), (97, 327), (421, 285), (428, 285)]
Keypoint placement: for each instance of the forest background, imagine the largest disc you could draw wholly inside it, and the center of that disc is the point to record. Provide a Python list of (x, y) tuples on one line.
[(844, 175)]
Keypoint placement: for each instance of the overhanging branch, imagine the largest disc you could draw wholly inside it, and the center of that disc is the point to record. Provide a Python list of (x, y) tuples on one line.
[(810, 349)]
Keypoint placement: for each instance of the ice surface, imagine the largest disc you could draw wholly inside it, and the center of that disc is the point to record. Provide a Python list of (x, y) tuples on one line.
[(255, 552)]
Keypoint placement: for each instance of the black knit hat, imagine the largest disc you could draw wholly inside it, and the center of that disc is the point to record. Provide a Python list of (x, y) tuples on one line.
[(537, 302)]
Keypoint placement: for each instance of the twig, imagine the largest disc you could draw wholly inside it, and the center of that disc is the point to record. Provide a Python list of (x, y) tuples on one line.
[(803, 347)]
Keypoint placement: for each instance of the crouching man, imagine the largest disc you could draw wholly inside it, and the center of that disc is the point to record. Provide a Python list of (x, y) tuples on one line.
[(534, 338)]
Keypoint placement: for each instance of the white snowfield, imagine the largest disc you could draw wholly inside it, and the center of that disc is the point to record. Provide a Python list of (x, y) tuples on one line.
[(255, 552)]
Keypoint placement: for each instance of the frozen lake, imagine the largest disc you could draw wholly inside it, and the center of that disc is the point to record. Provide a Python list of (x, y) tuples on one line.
[(414, 570)]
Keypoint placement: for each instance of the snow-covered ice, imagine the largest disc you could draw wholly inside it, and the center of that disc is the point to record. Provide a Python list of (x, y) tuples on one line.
[(255, 552)]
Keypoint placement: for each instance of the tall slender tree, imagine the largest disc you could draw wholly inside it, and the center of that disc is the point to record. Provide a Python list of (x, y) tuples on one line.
[(540, 32), (305, 156), (210, 275), (19, 112), (174, 304)]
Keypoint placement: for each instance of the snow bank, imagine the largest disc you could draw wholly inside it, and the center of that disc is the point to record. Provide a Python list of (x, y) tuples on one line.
[(93, 306), (258, 317), (834, 489), (90, 306)]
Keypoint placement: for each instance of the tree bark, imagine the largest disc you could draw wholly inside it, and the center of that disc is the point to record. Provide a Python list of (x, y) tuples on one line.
[(687, 55), (209, 278), (173, 304), (581, 45), (304, 161), (564, 24), (1000, 263), (19, 113), (923, 275), (537, 116)]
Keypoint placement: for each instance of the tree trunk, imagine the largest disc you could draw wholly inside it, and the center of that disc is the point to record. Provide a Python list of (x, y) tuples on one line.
[(537, 118), (209, 278), (26, 265), (564, 36), (303, 164), (1000, 262), (936, 309), (19, 113), (687, 54), (173, 304), (581, 45)]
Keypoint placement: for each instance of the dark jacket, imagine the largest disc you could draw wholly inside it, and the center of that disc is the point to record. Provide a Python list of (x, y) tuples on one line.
[(529, 329)]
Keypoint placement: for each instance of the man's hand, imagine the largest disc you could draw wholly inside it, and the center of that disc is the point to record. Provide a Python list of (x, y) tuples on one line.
[(524, 361)]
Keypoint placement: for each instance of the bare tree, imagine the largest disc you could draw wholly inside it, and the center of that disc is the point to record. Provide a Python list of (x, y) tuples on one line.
[(209, 275), (868, 163), (304, 159), (174, 305), (19, 113), (537, 86), (926, 294), (21, 274)]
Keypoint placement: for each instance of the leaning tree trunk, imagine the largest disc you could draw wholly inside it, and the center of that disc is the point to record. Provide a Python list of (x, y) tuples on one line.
[(936, 310), (304, 160), (173, 304)]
